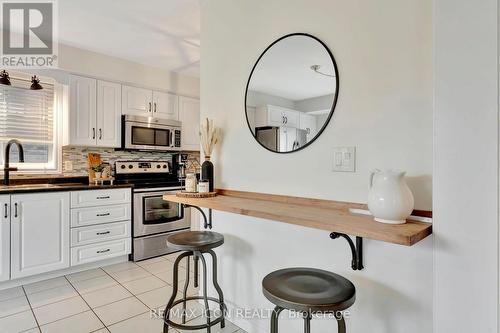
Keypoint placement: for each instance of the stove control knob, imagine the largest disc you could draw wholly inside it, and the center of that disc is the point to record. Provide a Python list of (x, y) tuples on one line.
[(158, 166), (130, 166), (164, 166), (123, 166)]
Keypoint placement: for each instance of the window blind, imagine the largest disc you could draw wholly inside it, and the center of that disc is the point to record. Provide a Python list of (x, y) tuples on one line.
[(28, 115)]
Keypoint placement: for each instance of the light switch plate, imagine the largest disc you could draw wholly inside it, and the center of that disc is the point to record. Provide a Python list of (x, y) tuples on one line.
[(344, 159)]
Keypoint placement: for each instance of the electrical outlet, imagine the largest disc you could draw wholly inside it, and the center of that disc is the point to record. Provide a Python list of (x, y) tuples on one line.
[(68, 166), (344, 159)]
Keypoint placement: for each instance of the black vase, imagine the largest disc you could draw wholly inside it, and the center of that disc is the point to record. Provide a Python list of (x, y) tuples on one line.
[(207, 173)]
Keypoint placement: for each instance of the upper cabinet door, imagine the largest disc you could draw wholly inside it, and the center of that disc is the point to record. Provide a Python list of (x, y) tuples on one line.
[(39, 233), (137, 101), (82, 111), (4, 238), (109, 105), (291, 118), (275, 116), (189, 115), (165, 105), (308, 123)]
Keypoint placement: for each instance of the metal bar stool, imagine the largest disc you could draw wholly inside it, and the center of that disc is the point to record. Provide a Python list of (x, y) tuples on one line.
[(309, 291), (195, 243)]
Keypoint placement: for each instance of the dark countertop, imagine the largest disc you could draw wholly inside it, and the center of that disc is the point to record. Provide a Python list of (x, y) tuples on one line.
[(54, 184)]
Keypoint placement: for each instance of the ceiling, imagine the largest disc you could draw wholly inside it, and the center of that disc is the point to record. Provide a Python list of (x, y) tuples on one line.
[(285, 70), (158, 33)]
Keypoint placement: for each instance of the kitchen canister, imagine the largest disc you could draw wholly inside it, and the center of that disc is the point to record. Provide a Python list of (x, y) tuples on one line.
[(190, 182), (390, 200), (203, 186)]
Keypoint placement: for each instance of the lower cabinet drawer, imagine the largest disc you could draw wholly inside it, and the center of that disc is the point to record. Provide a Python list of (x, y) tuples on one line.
[(95, 252), (100, 233), (101, 214), (100, 197)]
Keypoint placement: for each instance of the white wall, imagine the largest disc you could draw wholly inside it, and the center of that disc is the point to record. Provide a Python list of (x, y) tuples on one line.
[(466, 189), (256, 99), (83, 62), (384, 54), (319, 103)]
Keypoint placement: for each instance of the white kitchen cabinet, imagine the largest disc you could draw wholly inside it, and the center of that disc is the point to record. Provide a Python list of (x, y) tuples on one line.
[(5, 237), (99, 214), (100, 251), (149, 103), (270, 115), (109, 110), (82, 111), (189, 115), (92, 198), (137, 101), (94, 113), (165, 105), (40, 237), (100, 224), (100, 233), (307, 122)]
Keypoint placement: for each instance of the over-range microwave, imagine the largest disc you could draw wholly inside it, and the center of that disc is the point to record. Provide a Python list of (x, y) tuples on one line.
[(146, 133)]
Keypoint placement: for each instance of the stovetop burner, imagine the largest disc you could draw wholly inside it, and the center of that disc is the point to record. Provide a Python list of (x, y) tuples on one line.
[(146, 174)]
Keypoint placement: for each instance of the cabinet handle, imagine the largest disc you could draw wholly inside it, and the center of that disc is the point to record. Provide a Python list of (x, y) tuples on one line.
[(103, 197), (100, 133), (149, 107), (286, 120), (155, 107), (103, 214), (15, 210), (93, 132), (103, 233), (6, 209), (283, 120), (104, 251)]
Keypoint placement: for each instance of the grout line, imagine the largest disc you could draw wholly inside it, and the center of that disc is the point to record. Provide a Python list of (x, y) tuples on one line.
[(104, 325), (149, 309), (131, 293), (14, 313), (32, 312), (92, 309)]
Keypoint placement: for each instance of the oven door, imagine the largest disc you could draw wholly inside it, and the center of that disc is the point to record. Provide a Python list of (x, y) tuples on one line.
[(153, 215), (143, 136)]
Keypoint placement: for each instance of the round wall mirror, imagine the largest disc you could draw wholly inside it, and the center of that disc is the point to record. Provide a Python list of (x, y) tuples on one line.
[(291, 93)]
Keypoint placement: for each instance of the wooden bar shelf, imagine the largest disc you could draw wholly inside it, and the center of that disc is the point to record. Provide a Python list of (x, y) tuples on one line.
[(332, 216)]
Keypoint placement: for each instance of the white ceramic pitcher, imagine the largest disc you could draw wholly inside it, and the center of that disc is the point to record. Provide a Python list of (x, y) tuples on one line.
[(390, 199)]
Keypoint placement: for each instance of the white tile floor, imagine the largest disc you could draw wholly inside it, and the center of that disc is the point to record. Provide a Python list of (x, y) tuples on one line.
[(116, 299)]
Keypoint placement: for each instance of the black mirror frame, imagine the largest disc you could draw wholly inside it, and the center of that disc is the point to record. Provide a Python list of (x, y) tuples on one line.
[(334, 104)]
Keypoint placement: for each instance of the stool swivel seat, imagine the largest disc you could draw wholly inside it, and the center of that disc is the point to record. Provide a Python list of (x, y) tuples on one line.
[(195, 243), (308, 291)]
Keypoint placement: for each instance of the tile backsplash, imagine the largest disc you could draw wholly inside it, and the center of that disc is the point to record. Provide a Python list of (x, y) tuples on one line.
[(78, 158)]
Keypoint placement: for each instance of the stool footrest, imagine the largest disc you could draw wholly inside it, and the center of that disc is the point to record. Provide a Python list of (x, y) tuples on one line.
[(213, 322)]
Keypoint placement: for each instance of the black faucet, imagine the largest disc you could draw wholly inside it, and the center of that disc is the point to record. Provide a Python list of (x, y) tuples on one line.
[(6, 168)]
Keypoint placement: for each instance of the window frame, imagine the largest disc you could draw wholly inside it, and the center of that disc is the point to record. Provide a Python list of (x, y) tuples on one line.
[(55, 165)]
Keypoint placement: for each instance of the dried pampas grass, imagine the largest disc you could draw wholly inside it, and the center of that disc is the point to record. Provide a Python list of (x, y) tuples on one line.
[(209, 136)]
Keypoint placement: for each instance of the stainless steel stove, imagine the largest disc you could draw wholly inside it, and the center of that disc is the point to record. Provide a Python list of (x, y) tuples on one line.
[(153, 219)]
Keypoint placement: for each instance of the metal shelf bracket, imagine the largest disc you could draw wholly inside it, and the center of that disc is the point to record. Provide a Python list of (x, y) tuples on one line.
[(356, 250), (207, 222)]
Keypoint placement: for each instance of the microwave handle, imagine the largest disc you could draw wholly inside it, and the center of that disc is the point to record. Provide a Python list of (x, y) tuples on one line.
[(172, 144)]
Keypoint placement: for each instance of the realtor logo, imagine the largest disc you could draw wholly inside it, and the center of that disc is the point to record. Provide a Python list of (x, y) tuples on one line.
[(28, 34)]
